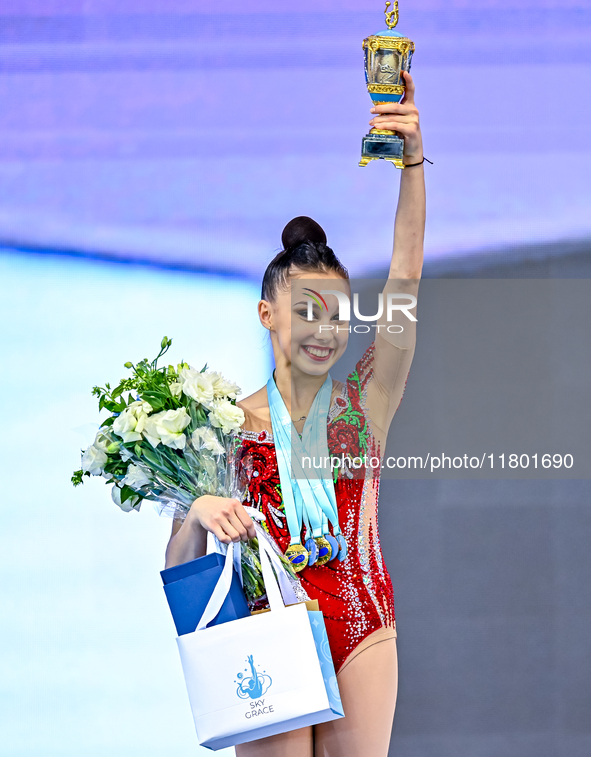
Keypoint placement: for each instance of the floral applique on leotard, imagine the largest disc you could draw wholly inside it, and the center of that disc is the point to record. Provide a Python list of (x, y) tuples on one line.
[(355, 595)]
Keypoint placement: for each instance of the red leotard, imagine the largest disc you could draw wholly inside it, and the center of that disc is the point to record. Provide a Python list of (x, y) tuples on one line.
[(355, 595)]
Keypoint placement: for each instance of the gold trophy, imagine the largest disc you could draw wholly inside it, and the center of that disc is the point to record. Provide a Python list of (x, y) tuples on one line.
[(387, 53)]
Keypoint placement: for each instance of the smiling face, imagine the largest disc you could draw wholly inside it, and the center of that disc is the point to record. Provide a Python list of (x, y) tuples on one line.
[(308, 347)]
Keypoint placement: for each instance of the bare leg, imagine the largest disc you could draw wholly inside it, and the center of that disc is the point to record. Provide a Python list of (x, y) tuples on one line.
[(368, 686), (291, 744)]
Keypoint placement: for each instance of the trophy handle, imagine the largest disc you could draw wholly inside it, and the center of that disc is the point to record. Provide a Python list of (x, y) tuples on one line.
[(394, 12)]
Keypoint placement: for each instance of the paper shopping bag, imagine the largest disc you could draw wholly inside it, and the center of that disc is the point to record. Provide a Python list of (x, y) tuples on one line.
[(258, 676)]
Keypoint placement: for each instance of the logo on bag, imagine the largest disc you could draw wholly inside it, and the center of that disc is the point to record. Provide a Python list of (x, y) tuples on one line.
[(255, 685)]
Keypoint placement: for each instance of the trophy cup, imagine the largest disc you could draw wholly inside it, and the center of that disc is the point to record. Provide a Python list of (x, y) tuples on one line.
[(387, 53)]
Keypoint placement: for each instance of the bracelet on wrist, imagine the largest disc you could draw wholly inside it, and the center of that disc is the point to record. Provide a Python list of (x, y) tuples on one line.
[(410, 165)]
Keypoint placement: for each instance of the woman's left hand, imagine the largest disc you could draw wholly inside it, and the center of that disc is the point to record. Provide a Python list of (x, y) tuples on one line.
[(402, 117)]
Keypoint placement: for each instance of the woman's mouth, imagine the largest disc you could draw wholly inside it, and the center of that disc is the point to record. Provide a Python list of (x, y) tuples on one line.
[(320, 354)]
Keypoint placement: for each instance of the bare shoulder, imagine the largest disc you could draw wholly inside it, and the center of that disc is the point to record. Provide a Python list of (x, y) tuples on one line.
[(337, 388), (256, 411), (256, 401)]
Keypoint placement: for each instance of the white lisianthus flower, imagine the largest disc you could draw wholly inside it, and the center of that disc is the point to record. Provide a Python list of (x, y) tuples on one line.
[(197, 386), (147, 426), (140, 407), (223, 388), (136, 477), (102, 440), (226, 416), (94, 460), (170, 426), (205, 438), (125, 426), (126, 506), (176, 388)]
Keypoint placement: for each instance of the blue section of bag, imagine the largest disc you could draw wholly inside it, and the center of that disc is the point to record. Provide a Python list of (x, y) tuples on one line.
[(189, 586), (325, 659)]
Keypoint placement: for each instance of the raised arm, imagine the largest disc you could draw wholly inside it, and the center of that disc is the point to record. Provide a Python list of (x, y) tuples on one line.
[(394, 352)]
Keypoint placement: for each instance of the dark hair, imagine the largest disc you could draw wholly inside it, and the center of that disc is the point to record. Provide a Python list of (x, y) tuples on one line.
[(304, 248)]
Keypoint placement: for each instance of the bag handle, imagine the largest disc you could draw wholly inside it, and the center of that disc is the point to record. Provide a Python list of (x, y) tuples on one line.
[(214, 545), (219, 594), (271, 583)]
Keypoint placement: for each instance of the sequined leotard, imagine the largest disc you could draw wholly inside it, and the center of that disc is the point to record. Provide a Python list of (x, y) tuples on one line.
[(355, 595)]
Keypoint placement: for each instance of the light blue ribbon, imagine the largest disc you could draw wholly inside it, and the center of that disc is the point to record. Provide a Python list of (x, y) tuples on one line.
[(308, 495)]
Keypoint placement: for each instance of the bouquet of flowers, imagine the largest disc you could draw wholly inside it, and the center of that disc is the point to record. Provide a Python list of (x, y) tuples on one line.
[(169, 439)]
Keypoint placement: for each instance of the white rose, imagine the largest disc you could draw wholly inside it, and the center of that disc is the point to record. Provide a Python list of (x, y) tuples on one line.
[(170, 427), (223, 388), (125, 426), (226, 416), (197, 386), (94, 460), (136, 477), (176, 388), (205, 438), (126, 506)]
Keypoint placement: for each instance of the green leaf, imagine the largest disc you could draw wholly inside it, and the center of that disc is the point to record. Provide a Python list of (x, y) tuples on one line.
[(109, 421), (156, 460), (116, 465), (156, 398), (192, 409), (127, 493), (183, 463), (77, 477)]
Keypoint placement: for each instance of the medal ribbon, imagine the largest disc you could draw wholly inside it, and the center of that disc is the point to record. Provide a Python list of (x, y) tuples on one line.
[(308, 496)]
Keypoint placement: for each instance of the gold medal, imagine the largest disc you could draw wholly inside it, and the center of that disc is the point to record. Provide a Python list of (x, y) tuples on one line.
[(297, 556), (324, 550)]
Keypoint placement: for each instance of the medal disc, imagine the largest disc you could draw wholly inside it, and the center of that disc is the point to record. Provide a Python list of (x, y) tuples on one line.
[(334, 546), (297, 556), (324, 550), (312, 551)]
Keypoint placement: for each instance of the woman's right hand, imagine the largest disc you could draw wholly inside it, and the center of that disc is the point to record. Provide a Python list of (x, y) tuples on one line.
[(225, 518)]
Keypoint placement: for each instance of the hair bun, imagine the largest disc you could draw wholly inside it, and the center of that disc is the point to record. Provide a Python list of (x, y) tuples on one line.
[(302, 229)]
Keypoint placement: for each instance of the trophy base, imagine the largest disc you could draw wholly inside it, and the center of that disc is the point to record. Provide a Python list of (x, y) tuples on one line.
[(382, 147)]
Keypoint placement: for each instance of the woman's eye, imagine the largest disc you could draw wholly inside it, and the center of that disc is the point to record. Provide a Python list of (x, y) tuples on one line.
[(304, 314)]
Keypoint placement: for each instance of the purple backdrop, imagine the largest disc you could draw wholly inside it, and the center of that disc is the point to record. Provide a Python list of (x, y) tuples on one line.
[(186, 133)]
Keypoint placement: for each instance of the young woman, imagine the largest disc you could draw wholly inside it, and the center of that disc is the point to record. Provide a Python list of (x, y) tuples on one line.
[(355, 594)]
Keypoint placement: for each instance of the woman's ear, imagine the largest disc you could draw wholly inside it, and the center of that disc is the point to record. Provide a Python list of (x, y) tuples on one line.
[(265, 315)]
